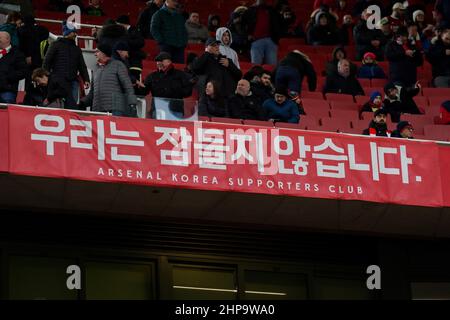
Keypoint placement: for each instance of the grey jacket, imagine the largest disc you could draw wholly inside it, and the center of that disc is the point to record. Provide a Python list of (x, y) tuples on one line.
[(111, 89), (196, 33)]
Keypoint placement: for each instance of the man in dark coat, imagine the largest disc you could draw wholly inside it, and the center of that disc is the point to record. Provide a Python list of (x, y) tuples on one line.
[(368, 40), (145, 18), (64, 60), (215, 66), (244, 105), (12, 69), (403, 59), (439, 57), (31, 36), (400, 100), (344, 81), (404, 130), (378, 126)]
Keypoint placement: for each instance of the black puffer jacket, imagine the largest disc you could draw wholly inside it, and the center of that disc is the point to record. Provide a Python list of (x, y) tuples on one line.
[(248, 107), (12, 70), (172, 84), (438, 59), (64, 59), (402, 68), (30, 38)]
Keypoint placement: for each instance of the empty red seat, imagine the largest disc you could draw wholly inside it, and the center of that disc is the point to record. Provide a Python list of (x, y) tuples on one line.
[(364, 82), (287, 125), (437, 132), (344, 114), (312, 94), (359, 126), (422, 102), (437, 92), (361, 100), (343, 105), (419, 121), (335, 124), (308, 122), (378, 83), (437, 101), (316, 107), (339, 97)]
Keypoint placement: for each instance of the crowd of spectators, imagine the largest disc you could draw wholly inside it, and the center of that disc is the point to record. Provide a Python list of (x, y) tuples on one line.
[(403, 38)]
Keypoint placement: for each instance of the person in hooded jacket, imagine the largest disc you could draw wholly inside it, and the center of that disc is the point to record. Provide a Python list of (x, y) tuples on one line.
[(322, 32), (375, 103), (370, 68), (292, 69), (224, 36), (239, 31)]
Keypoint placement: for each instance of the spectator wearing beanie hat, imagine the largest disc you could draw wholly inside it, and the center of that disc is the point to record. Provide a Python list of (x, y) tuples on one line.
[(370, 68), (404, 130), (375, 103), (280, 108), (64, 60), (111, 90)]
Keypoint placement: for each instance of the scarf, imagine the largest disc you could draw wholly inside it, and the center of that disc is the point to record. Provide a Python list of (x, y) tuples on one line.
[(4, 52)]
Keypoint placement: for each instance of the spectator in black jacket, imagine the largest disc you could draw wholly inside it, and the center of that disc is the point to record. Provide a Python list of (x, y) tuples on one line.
[(404, 130), (292, 69), (48, 91), (439, 57), (12, 69), (145, 17), (403, 59), (378, 126), (244, 105), (343, 81), (260, 82), (322, 32), (213, 103), (167, 82), (31, 36), (238, 30), (368, 40), (64, 60), (95, 9), (338, 54), (263, 25), (400, 100), (215, 66)]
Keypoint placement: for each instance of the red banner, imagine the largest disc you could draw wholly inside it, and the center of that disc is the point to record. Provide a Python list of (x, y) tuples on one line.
[(4, 164), (213, 156)]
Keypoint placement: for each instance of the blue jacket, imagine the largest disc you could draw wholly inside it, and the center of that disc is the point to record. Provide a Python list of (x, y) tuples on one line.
[(371, 72), (285, 112)]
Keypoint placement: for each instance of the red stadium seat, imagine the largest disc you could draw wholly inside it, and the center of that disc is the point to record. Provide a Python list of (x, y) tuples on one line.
[(345, 114), (419, 121), (335, 124), (287, 125), (343, 105), (312, 95), (364, 82), (422, 102), (316, 107), (339, 97), (361, 100), (309, 122), (437, 132), (436, 92), (378, 82)]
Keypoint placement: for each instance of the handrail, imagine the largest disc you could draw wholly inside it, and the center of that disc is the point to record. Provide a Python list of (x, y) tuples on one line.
[(83, 25)]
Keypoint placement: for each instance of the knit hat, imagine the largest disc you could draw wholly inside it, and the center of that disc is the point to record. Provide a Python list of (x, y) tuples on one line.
[(389, 86), (123, 19), (66, 29), (374, 95), (121, 46), (369, 55), (105, 49), (416, 13), (399, 6), (403, 125)]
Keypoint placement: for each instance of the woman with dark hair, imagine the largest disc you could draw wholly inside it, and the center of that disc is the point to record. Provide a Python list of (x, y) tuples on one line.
[(213, 103)]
